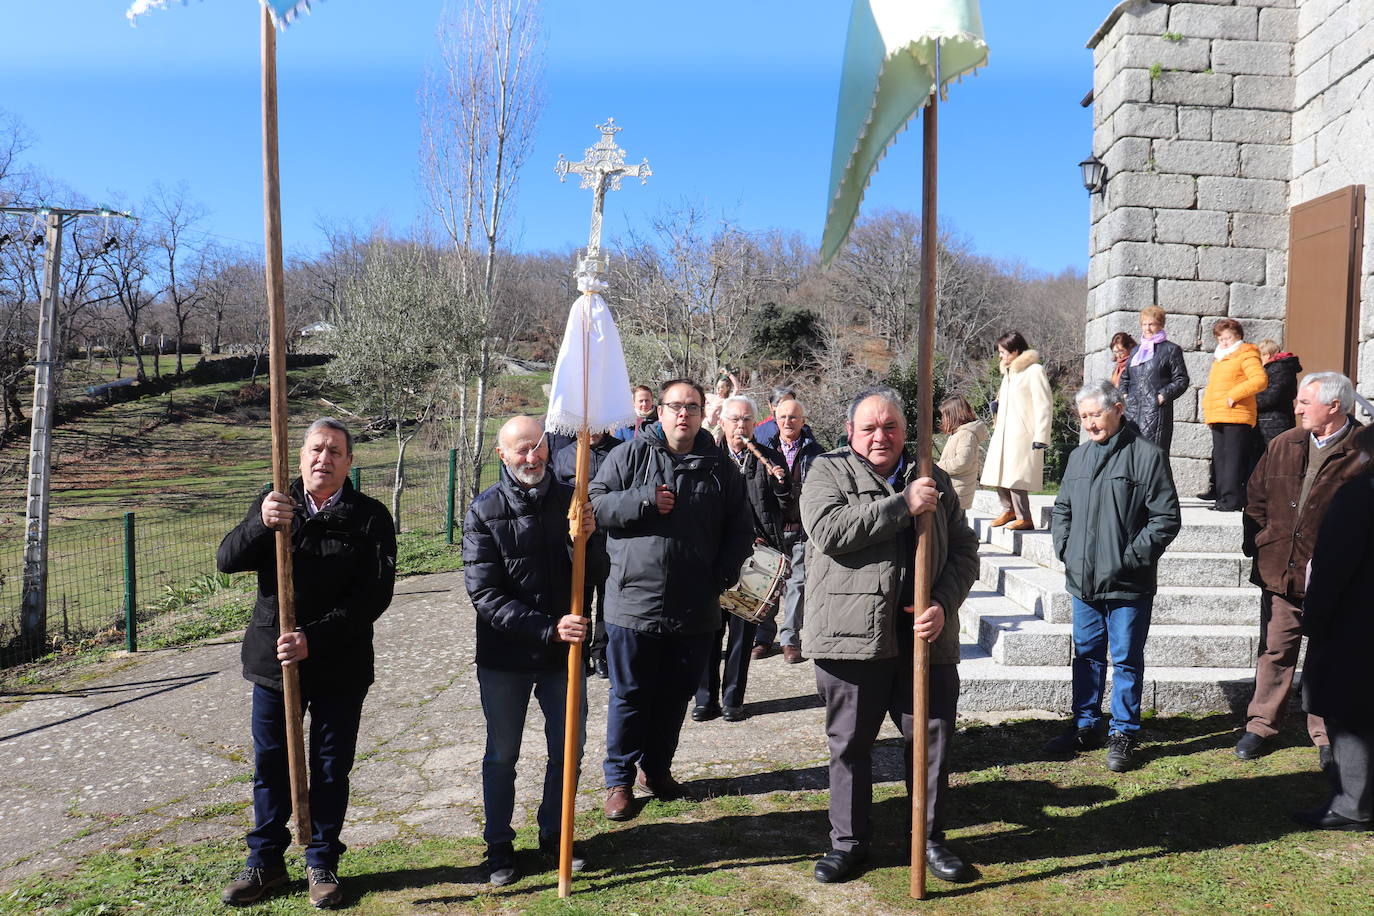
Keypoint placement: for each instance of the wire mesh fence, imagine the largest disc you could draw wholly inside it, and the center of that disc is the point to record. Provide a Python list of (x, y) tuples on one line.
[(158, 558)]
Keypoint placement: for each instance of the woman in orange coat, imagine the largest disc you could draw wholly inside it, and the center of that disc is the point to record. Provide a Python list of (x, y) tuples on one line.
[(1228, 407)]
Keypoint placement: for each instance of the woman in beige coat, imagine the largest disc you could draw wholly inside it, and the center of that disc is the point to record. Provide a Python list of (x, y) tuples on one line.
[(1016, 456), (960, 456)]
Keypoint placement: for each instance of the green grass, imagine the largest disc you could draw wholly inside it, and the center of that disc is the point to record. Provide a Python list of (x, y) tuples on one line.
[(1193, 830)]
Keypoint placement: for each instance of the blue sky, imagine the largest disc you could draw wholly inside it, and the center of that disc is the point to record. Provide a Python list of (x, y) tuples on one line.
[(732, 102)]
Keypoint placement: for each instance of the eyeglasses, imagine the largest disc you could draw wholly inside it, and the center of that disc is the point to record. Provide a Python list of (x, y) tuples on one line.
[(729, 419), (690, 410)]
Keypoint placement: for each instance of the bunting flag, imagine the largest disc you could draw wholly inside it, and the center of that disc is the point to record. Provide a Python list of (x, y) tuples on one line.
[(889, 72), (284, 12), (590, 360)]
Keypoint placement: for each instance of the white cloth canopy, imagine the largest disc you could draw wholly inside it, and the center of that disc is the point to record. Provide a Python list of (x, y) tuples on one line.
[(591, 351)]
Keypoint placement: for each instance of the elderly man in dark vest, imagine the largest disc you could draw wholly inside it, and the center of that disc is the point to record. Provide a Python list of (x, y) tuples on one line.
[(1290, 490)]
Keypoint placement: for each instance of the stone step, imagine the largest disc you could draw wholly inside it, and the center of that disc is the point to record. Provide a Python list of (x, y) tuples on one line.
[(987, 686), (1014, 637), (1040, 591)]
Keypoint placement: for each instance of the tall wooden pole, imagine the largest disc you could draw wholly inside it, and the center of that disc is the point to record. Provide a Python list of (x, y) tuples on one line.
[(281, 459), (920, 705)]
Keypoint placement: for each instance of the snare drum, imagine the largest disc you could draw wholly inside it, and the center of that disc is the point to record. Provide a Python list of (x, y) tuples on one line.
[(761, 581)]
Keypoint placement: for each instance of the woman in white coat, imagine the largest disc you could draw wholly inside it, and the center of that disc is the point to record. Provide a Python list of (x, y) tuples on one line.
[(1016, 455)]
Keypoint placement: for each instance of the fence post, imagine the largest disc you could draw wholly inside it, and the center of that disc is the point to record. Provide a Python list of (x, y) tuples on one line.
[(452, 480), (130, 585), (358, 479)]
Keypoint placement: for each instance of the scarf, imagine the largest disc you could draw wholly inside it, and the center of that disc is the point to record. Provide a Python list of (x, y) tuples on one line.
[(1221, 353), (1146, 351)]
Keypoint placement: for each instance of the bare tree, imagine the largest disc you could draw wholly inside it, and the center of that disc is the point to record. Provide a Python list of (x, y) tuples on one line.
[(126, 272), (182, 264), (479, 109)]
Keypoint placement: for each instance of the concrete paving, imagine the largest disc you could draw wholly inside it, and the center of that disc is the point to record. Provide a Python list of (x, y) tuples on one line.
[(155, 747)]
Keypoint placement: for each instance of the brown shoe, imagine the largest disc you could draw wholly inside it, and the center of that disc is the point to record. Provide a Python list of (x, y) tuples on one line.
[(792, 655), (1021, 524), (251, 884), (664, 789), (325, 892), (761, 651), (1002, 519), (620, 803)]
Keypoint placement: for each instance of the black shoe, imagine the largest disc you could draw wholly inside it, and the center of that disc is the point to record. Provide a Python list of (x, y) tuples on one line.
[(705, 713), (501, 867), (600, 668), (1325, 819), (733, 713), (1073, 740), (1120, 749), (944, 864), (1326, 758), (549, 846), (1220, 508), (839, 865), (1252, 746), (252, 883), (1209, 495)]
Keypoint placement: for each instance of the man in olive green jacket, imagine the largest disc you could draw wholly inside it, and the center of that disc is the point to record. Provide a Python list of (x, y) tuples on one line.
[(858, 507)]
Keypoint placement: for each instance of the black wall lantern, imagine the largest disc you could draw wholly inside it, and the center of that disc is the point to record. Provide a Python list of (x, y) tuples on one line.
[(1094, 174)]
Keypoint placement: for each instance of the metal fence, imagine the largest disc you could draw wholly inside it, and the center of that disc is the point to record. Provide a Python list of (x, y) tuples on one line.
[(147, 576)]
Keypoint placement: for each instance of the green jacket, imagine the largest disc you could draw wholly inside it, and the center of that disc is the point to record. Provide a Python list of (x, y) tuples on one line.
[(860, 555), (1116, 512)]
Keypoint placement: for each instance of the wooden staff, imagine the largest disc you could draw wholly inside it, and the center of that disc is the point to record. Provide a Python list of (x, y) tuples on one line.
[(920, 667), (572, 717), (281, 460), (768, 466)]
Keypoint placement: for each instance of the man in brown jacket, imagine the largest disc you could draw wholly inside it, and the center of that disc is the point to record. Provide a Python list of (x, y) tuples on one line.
[(1290, 490), (859, 505)]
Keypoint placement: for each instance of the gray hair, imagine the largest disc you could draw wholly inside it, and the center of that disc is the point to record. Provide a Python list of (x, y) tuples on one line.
[(781, 393), (741, 399), (791, 397), (1103, 392), (331, 423), (882, 392), (1331, 386)]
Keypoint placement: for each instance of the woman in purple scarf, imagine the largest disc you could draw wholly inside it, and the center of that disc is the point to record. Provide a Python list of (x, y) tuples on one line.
[(1154, 378)]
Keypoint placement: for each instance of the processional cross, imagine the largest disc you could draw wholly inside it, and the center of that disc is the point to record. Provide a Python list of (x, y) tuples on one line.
[(602, 169)]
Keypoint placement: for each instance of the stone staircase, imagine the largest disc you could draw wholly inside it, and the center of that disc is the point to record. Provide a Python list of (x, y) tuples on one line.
[(1016, 625)]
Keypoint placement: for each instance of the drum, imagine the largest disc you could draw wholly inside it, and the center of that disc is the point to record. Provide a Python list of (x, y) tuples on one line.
[(761, 581)]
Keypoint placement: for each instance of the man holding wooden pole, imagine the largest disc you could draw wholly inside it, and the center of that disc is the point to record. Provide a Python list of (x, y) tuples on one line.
[(860, 507)]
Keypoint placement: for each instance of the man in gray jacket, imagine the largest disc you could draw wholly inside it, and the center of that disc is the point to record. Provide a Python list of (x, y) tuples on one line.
[(1116, 512), (858, 506), (678, 527)]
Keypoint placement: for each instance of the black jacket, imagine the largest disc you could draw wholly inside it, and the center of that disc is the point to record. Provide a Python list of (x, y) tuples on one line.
[(1337, 613), (565, 462), (1165, 373), (667, 571), (1275, 403), (517, 566), (343, 562), (770, 499), (1116, 512)]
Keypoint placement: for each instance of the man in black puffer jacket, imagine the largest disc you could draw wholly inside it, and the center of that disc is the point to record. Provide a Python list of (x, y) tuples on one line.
[(517, 566), (344, 565), (678, 527)]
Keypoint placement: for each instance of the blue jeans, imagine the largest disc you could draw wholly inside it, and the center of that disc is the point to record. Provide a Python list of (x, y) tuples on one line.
[(505, 700), (1122, 626), (333, 742), (653, 676)]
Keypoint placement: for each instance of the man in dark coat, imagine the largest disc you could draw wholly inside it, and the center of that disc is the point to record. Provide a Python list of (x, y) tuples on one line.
[(677, 521), (1338, 620), (799, 447), (343, 555), (517, 566), (565, 469), (1290, 490), (770, 497), (1116, 512)]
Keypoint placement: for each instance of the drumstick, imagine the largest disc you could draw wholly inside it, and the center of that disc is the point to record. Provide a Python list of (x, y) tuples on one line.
[(768, 466)]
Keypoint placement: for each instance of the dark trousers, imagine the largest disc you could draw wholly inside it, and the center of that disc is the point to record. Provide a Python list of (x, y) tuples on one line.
[(858, 695), (738, 645), (1352, 749), (333, 741), (653, 676), (1280, 641), (596, 646), (1232, 450)]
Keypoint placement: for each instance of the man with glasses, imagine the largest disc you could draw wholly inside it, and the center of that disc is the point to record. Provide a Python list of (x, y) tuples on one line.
[(676, 516), (770, 498)]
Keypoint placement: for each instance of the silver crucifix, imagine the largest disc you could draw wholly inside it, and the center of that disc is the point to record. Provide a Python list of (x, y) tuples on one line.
[(601, 169)]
